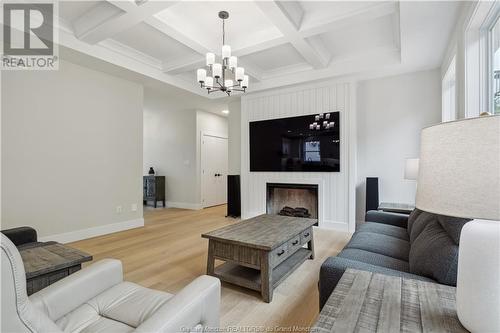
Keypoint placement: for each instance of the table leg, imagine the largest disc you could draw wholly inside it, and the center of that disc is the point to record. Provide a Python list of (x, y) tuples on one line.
[(310, 245), (266, 276), (210, 258)]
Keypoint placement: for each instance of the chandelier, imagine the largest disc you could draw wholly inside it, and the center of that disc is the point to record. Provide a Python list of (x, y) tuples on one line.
[(322, 121), (225, 76)]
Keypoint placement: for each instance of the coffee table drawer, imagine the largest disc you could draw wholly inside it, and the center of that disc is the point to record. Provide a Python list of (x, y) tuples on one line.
[(305, 236), (294, 244), (279, 254)]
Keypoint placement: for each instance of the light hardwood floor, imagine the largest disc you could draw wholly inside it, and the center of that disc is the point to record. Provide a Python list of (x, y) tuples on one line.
[(169, 252)]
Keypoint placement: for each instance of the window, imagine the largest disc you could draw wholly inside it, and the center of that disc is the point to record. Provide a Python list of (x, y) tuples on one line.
[(448, 93), (495, 67), (312, 151)]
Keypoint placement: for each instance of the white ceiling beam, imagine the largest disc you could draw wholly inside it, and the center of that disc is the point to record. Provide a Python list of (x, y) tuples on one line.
[(361, 16), (280, 17), (104, 21)]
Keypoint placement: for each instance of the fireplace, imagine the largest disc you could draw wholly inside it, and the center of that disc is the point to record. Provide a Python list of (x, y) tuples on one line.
[(298, 200)]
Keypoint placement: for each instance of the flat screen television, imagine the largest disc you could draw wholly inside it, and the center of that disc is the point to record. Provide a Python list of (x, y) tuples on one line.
[(302, 144)]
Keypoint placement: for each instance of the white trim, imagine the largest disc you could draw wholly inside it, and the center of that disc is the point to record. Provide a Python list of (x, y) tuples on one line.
[(77, 235), (334, 225), (200, 173), (183, 205)]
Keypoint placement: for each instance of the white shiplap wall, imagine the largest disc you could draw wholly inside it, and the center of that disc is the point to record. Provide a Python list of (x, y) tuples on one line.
[(336, 189)]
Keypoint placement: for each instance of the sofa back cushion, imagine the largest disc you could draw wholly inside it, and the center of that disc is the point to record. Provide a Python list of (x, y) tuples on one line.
[(411, 219), (434, 248), (419, 223)]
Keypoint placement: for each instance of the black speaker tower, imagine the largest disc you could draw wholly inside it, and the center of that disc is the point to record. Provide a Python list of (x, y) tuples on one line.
[(371, 193), (233, 196)]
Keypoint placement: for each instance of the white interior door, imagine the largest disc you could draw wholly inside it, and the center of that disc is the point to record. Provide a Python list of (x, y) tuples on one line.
[(214, 162)]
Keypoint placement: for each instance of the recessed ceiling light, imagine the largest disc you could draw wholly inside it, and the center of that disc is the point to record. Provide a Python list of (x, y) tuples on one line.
[(225, 111)]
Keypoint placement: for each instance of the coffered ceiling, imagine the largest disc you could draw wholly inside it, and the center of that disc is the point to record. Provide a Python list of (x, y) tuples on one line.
[(278, 42)]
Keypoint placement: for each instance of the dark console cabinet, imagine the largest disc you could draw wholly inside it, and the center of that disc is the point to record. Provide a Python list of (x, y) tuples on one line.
[(154, 189)]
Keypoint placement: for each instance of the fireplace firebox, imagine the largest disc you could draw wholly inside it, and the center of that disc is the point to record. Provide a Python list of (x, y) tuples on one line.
[(298, 200)]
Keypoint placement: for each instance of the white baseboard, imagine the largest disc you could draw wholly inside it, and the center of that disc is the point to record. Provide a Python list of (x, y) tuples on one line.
[(77, 235), (183, 205)]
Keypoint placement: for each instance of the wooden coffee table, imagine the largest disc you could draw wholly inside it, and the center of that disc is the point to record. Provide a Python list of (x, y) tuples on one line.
[(260, 252), (50, 262)]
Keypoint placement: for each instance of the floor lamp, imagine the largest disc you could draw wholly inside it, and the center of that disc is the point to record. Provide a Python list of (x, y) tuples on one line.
[(459, 175)]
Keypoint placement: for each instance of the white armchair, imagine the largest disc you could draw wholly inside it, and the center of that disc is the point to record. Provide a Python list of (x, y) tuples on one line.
[(96, 299)]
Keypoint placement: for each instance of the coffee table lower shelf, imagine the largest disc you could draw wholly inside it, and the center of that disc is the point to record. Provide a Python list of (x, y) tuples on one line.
[(251, 278)]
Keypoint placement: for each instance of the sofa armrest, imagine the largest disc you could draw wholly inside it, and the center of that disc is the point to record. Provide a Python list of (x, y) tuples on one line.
[(395, 219), (21, 235), (334, 267), (195, 307), (67, 294)]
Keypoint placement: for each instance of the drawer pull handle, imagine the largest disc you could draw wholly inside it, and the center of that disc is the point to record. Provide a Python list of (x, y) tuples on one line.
[(306, 235), (281, 252), (295, 243)]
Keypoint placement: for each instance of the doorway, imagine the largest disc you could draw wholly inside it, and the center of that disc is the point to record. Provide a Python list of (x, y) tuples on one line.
[(214, 165)]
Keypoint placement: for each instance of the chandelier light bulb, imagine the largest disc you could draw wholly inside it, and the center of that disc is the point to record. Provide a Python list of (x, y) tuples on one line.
[(233, 62), (201, 74), (244, 83), (318, 127), (316, 118), (209, 82), (217, 70), (311, 126), (226, 51), (240, 72), (210, 58), (325, 123), (327, 116)]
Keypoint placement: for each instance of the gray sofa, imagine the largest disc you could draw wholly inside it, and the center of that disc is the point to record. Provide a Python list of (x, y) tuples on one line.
[(420, 246)]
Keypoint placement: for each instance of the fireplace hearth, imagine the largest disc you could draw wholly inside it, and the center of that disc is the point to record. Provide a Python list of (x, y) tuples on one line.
[(297, 200)]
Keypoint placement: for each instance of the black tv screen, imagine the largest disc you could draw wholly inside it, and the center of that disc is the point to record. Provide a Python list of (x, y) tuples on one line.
[(305, 143)]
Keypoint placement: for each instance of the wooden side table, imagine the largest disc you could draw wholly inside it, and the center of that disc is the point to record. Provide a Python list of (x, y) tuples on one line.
[(49, 263), (370, 302)]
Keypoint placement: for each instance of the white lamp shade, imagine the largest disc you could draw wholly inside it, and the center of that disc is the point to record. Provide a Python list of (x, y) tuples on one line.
[(217, 70), (244, 83), (209, 82), (226, 51), (233, 62), (239, 73), (210, 58), (411, 168), (201, 74), (459, 169)]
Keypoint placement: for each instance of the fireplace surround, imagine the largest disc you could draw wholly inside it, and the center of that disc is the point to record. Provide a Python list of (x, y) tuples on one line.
[(299, 200)]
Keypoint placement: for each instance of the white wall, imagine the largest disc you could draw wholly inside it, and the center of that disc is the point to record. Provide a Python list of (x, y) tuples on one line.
[(171, 144), (234, 144), (336, 189), (71, 152), (390, 115)]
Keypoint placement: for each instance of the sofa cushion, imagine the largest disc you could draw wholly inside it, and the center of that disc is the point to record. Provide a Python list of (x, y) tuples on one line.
[(453, 226), (434, 254), (378, 243), (375, 259), (384, 229), (419, 222), (411, 219)]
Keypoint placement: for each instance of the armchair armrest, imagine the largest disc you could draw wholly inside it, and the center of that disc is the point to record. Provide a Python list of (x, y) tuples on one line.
[(67, 294), (395, 219), (21, 235), (194, 307)]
